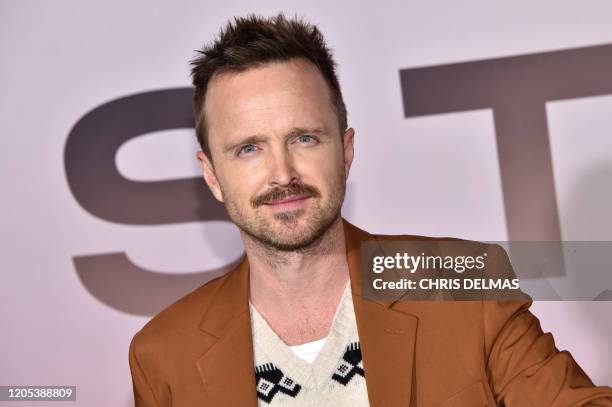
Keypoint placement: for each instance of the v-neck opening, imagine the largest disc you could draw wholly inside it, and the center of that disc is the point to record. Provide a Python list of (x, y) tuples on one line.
[(317, 373)]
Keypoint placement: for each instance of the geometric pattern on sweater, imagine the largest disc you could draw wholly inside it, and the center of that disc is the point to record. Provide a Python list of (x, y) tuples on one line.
[(350, 364), (270, 380)]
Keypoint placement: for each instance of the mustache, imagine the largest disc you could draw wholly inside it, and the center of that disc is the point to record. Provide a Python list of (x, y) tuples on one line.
[(294, 189)]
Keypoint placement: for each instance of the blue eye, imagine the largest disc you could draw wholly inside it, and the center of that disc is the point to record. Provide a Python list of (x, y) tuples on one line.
[(246, 149), (305, 138)]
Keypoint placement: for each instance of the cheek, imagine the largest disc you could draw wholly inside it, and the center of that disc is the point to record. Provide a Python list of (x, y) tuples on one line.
[(322, 170), (239, 184)]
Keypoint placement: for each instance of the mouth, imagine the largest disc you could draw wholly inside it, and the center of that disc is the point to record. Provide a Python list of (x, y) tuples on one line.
[(291, 199)]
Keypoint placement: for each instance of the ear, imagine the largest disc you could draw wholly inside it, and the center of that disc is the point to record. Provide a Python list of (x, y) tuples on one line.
[(209, 176), (349, 151)]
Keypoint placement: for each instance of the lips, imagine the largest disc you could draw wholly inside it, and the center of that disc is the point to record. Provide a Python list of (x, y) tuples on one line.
[(287, 200)]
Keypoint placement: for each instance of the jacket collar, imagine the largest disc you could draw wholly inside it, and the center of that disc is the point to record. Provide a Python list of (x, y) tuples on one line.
[(387, 338)]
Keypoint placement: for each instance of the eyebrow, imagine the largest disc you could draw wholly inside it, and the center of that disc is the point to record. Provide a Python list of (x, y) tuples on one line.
[(259, 138)]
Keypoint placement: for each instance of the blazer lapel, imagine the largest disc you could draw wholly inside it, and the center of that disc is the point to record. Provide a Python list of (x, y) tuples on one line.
[(226, 368), (387, 336)]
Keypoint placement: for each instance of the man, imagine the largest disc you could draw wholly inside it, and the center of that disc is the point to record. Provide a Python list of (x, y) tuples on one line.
[(289, 325)]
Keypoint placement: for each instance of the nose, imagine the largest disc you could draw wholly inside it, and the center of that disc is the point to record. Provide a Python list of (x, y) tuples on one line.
[(282, 168)]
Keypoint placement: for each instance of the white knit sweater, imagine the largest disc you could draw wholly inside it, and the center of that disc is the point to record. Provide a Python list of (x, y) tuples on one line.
[(335, 378)]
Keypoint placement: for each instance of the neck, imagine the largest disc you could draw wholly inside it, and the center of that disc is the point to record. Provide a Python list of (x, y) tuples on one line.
[(308, 282)]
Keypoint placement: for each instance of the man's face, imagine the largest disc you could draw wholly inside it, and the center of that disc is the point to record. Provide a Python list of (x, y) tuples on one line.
[(280, 165)]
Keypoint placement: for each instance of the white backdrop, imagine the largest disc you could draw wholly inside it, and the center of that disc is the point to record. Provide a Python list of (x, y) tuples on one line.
[(61, 59)]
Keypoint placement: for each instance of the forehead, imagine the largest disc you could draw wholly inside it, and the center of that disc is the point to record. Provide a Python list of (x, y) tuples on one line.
[(267, 99)]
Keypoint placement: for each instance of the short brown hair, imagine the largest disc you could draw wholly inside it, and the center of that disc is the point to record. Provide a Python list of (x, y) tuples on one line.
[(252, 41)]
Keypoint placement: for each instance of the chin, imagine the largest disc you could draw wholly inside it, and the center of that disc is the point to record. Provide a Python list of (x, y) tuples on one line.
[(300, 237), (294, 237)]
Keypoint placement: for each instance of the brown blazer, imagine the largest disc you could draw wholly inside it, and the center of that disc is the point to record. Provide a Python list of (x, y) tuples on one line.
[(198, 351)]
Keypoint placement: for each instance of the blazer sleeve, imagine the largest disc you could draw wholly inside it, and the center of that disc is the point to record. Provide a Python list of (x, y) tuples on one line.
[(524, 367), (143, 394)]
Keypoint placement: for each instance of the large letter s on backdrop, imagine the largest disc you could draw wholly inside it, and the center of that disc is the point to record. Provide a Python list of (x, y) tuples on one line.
[(99, 188)]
